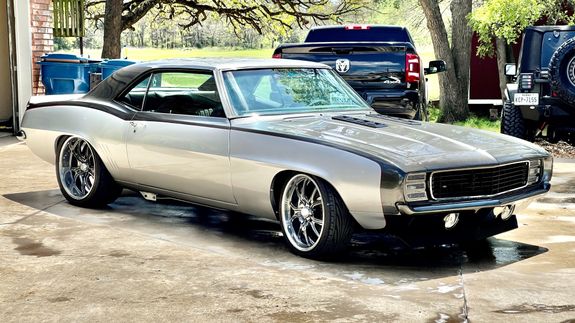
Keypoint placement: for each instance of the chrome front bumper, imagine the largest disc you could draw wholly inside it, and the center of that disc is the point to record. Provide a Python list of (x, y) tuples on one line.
[(520, 201)]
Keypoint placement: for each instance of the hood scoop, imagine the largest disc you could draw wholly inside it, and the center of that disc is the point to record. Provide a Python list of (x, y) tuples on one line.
[(396, 119), (362, 122)]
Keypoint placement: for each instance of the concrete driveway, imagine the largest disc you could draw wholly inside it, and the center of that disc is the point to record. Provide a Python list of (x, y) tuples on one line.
[(143, 261)]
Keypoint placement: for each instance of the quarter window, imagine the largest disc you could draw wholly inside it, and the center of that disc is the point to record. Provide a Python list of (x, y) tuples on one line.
[(135, 98)]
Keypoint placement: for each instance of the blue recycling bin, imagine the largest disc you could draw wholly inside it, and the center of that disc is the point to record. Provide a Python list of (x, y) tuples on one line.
[(66, 73), (110, 66)]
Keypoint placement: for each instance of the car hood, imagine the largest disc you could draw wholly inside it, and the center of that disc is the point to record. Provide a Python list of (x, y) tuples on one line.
[(407, 144)]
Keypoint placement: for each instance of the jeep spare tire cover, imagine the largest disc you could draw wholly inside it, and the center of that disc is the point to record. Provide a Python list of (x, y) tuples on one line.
[(562, 71)]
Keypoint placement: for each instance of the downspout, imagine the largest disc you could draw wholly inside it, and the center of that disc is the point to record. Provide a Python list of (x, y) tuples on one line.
[(13, 65)]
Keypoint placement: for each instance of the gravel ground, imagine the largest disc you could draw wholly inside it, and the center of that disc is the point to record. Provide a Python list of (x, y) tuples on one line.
[(561, 149)]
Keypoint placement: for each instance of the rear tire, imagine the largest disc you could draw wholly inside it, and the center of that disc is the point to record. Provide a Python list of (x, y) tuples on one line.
[(314, 220), (83, 179), (512, 122)]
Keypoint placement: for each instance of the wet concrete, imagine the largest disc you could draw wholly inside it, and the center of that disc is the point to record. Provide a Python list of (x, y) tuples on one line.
[(139, 260)]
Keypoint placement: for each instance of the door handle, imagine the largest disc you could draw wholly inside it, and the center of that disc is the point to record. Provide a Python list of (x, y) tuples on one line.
[(136, 125)]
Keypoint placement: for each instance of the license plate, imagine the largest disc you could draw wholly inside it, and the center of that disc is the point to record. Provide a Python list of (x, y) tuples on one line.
[(526, 99)]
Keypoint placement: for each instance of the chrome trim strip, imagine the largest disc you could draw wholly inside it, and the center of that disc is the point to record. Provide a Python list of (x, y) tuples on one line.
[(472, 168), (473, 205)]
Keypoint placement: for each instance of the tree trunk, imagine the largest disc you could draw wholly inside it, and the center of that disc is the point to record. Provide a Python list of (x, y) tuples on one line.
[(501, 53), (454, 83), (112, 29)]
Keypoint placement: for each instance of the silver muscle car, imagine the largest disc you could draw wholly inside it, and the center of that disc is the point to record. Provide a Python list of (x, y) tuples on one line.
[(286, 140)]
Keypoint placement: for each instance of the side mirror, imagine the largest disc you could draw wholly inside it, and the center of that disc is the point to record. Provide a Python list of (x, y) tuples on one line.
[(510, 69), (436, 67)]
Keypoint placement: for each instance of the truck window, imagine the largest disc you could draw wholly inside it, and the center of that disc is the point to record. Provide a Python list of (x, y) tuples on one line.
[(340, 34)]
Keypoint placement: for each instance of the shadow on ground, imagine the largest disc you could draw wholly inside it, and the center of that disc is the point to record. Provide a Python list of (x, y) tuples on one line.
[(373, 258)]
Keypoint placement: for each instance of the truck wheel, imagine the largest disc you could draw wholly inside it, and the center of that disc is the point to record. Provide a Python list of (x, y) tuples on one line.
[(562, 71), (314, 220), (421, 113), (512, 122)]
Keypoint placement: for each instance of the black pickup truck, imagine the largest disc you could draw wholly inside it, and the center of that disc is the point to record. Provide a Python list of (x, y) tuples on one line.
[(379, 62)]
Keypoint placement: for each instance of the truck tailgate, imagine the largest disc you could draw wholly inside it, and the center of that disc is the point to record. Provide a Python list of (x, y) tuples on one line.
[(365, 66)]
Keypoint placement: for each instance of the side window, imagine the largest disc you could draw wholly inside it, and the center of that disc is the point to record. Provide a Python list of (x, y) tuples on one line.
[(188, 93), (135, 97)]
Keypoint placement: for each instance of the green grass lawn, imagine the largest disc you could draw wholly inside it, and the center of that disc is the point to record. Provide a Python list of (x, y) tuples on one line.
[(473, 121), (481, 123), (148, 54)]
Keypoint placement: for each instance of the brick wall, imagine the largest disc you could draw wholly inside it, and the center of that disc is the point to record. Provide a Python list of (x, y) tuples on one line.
[(42, 38)]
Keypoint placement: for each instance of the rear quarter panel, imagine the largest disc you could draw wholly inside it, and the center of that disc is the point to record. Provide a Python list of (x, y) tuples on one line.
[(105, 132)]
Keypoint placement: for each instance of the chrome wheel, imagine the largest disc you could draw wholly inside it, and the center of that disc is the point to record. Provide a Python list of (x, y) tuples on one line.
[(302, 212), (77, 170)]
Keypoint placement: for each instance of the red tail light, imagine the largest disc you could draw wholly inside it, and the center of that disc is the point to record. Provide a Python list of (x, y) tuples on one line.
[(277, 55), (412, 68), (357, 27)]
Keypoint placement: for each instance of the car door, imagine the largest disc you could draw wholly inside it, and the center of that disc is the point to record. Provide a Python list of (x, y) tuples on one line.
[(179, 141)]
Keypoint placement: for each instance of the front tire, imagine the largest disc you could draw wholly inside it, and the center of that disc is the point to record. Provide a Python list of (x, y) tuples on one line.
[(314, 220), (82, 177)]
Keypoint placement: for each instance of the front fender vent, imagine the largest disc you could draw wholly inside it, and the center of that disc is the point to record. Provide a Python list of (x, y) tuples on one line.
[(362, 122)]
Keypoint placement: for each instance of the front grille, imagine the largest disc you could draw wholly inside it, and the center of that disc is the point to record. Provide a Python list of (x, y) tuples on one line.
[(479, 181)]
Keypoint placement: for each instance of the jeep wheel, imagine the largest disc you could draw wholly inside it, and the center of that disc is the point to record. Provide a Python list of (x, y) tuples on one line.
[(562, 71), (512, 122)]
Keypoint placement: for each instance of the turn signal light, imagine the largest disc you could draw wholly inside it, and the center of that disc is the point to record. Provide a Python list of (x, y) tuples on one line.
[(415, 187), (525, 81), (534, 171)]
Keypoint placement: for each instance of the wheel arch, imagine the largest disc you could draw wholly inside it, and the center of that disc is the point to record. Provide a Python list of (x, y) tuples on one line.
[(280, 180), (60, 139)]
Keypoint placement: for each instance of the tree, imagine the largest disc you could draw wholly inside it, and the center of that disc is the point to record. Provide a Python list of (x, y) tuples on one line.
[(112, 29), (120, 15), (502, 22), (454, 82)]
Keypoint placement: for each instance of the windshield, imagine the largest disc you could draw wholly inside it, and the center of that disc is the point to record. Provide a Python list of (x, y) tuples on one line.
[(289, 90)]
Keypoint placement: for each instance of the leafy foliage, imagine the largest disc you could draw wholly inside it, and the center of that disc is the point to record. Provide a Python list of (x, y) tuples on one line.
[(239, 15), (257, 14), (507, 19)]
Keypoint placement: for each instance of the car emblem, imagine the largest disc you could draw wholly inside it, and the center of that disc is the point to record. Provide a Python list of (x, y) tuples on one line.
[(342, 65)]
